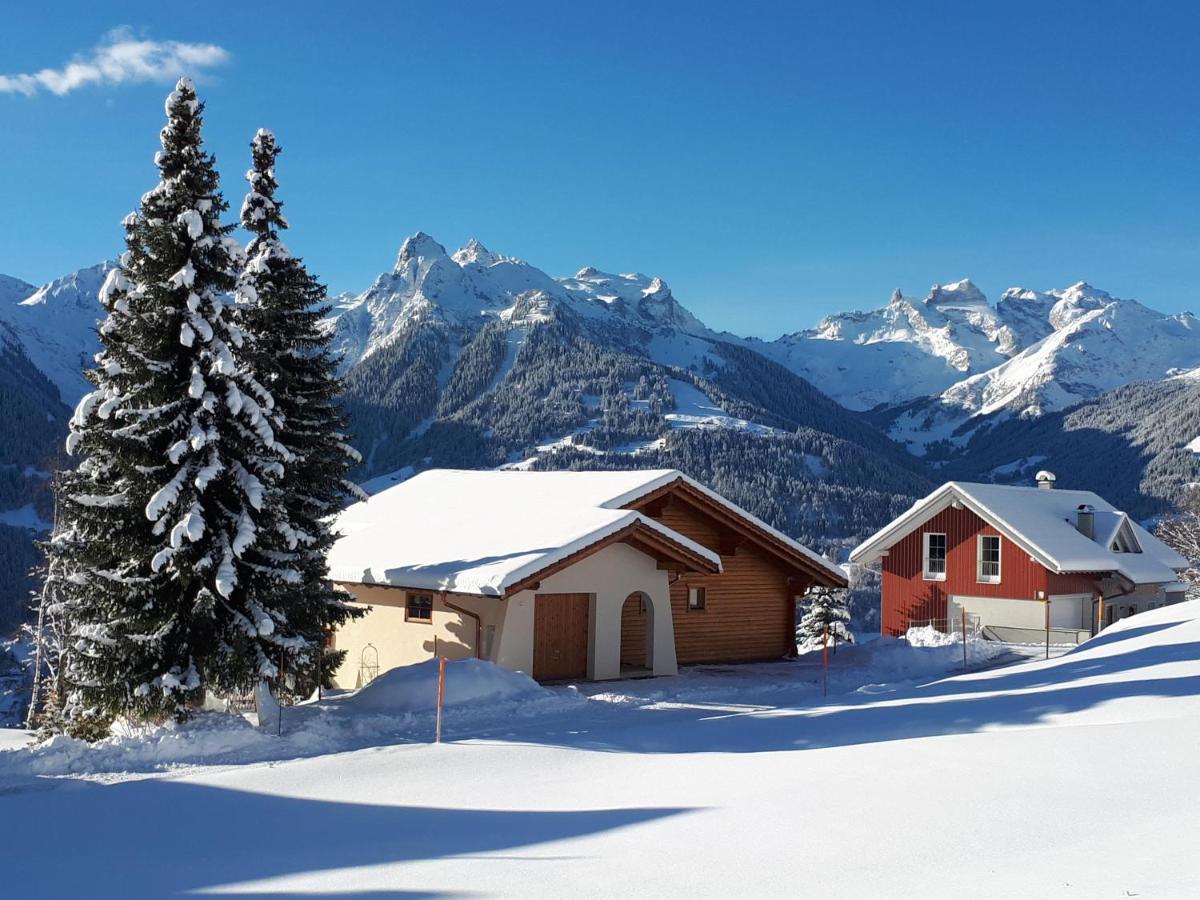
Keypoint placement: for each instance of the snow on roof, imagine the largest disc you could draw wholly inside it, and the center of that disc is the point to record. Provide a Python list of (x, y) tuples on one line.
[(1043, 522), (481, 532)]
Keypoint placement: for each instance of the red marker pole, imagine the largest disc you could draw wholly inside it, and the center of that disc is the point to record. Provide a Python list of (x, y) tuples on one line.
[(441, 694)]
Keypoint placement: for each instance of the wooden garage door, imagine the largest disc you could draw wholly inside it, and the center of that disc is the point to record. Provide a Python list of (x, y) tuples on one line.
[(560, 636)]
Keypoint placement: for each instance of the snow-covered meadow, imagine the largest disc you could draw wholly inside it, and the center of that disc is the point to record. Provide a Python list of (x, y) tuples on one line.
[(1069, 777)]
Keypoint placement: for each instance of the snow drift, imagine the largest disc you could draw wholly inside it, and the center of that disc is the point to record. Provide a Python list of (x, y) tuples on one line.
[(414, 688)]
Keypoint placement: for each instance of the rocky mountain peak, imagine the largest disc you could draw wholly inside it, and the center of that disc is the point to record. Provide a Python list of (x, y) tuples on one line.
[(474, 253), (956, 293), (656, 290), (418, 247)]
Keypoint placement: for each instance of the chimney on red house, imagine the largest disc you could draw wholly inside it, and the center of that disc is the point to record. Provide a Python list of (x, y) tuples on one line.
[(1045, 480)]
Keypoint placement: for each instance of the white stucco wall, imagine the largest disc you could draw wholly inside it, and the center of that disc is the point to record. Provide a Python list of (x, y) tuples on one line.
[(610, 575), (1072, 611), (1000, 611), (1140, 600)]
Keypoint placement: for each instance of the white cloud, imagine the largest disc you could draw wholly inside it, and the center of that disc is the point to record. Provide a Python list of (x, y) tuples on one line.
[(119, 58)]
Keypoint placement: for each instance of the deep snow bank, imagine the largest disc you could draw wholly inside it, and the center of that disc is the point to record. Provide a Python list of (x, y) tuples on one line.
[(414, 688), (398, 707)]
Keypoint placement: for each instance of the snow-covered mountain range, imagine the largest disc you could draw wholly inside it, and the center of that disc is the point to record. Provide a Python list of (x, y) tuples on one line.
[(938, 361), (429, 284), (448, 338), (942, 362), (951, 361)]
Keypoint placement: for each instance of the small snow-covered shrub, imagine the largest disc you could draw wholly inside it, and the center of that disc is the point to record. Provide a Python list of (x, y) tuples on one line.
[(928, 636)]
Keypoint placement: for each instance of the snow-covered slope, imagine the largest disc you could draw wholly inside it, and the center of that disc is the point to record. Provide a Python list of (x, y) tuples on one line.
[(1073, 777), (55, 325)]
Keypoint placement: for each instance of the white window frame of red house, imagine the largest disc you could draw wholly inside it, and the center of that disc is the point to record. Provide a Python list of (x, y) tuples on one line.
[(979, 576), (925, 571)]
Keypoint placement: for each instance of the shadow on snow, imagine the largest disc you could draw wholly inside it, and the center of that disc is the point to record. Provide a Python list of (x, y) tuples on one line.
[(155, 838), (1024, 695)]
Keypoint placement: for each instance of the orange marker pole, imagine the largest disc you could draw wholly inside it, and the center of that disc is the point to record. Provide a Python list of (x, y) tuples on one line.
[(441, 695)]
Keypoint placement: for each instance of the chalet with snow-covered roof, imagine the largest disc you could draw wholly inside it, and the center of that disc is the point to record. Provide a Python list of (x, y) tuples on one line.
[(565, 575), (1009, 556)]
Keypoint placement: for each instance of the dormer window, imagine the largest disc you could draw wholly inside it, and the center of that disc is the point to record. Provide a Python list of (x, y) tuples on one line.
[(1125, 540), (935, 556)]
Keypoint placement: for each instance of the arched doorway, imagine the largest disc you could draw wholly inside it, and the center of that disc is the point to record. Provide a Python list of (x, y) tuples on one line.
[(637, 635)]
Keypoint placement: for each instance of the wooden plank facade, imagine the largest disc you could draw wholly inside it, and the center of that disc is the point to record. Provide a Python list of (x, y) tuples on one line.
[(909, 597), (749, 608)]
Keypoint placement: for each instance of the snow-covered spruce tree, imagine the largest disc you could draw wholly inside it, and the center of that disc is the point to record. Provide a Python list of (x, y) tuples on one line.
[(825, 607), (280, 306), (177, 454), (1181, 532)]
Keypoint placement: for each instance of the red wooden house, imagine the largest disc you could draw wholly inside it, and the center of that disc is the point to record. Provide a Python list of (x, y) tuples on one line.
[(1009, 556)]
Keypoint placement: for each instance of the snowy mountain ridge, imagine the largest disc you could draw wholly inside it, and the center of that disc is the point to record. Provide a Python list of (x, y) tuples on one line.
[(427, 283), (940, 360), (1075, 345), (55, 325)]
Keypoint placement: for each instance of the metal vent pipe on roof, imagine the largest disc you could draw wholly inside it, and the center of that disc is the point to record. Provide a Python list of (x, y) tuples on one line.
[(1045, 480)]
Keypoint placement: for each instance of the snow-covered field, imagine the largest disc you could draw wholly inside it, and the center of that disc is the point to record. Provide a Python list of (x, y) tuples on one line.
[(1069, 777)]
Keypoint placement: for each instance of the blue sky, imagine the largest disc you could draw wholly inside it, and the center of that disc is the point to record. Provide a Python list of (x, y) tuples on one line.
[(773, 162)]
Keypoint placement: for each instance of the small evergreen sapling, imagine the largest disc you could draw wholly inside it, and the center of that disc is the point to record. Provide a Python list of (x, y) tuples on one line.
[(825, 607)]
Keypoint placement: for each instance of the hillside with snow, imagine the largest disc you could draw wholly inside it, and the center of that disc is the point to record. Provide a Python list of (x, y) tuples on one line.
[(1069, 777)]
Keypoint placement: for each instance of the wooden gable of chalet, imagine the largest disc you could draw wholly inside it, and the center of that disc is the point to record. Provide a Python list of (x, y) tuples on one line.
[(734, 530)]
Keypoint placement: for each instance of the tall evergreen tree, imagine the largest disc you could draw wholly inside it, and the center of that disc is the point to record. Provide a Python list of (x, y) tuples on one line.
[(280, 307), (826, 608), (160, 590)]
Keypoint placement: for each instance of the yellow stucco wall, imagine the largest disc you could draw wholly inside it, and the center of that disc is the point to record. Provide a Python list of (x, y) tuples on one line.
[(399, 643)]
